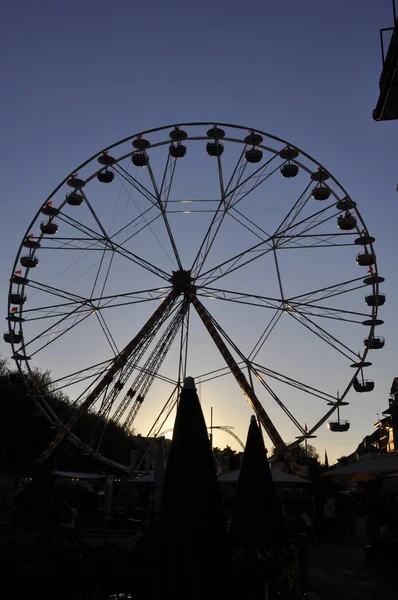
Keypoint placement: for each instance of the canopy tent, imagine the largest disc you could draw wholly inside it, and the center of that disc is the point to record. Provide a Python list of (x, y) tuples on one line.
[(73, 475), (279, 477), (361, 477), (380, 464)]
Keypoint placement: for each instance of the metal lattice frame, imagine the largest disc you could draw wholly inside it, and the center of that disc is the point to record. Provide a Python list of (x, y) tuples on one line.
[(186, 285)]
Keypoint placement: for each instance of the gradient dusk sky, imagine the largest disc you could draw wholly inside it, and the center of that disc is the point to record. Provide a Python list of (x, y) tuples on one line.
[(78, 76)]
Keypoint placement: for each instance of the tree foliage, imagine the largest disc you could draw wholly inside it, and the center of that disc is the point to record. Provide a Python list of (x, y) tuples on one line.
[(302, 453), (343, 460), (228, 458), (25, 432)]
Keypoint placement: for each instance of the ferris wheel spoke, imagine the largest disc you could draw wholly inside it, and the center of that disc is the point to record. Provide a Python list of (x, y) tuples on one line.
[(53, 334), (308, 313), (263, 338), (214, 227), (71, 243), (109, 305), (259, 371), (164, 213), (215, 330), (139, 295), (296, 209), (53, 291), (138, 260), (96, 218), (139, 187), (118, 363), (219, 214), (106, 277), (300, 385), (240, 297), (229, 198), (135, 222), (276, 398), (278, 273), (292, 382), (55, 310), (220, 176), (208, 239), (124, 252), (94, 235), (112, 246), (310, 222), (322, 334), (165, 412), (320, 241), (234, 263), (250, 225), (97, 275), (238, 172), (167, 181), (96, 241), (108, 335), (87, 306), (147, 224), (325, 311), (143, 216), (254, 180), (218, 373), (70, 377), (335, 289)]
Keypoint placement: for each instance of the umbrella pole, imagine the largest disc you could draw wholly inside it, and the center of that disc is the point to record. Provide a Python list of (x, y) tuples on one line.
[(211, 428), (266, 590)]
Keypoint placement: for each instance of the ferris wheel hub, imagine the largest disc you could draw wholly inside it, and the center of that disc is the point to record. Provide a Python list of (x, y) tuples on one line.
[(182, 281)]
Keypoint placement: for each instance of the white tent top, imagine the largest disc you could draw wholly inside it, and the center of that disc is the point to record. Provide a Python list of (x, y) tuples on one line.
[(233, 476), (72, 475), (150, 478), (277, 476), (371, 464)]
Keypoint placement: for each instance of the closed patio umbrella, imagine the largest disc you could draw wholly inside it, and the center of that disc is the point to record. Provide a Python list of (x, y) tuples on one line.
[(257, 529), (192, 536), (159, 474)]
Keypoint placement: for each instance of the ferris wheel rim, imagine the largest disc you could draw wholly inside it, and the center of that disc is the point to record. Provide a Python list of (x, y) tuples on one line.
[(195, 124)]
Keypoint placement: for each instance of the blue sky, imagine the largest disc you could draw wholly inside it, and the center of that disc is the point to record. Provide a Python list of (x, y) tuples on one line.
[(79, 76)]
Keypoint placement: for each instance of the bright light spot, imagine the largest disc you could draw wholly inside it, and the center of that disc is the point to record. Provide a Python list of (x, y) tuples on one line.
[(186, 212), (186, 201), (288, 308)]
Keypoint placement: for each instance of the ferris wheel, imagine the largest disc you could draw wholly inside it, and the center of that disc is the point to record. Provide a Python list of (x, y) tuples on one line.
[(203, 247)]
